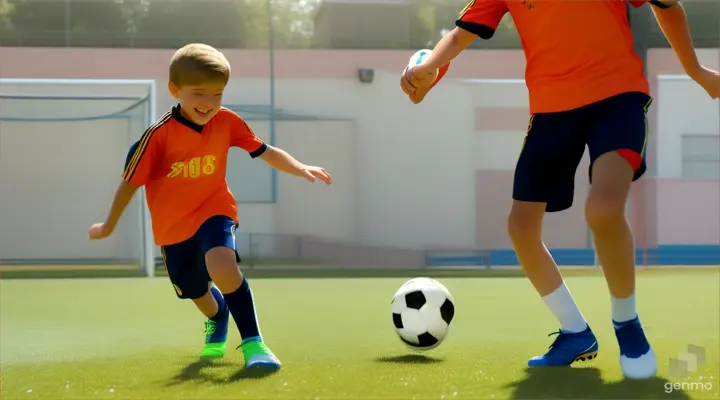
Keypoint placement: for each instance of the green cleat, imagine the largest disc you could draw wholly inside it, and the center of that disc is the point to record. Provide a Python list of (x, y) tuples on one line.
[(215, 338), (258, 355)]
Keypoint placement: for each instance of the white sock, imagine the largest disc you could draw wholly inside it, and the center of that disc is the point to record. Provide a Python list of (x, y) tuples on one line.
[(623, 309), (562, 304)]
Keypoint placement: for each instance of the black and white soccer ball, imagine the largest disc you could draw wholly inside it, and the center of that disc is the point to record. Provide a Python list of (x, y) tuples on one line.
[(422, 310)]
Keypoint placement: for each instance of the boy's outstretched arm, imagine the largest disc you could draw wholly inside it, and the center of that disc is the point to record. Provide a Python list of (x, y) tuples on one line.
[(138, 166), (672, 19), (123, 195), (449, 47), (282, 161), (243, 136)]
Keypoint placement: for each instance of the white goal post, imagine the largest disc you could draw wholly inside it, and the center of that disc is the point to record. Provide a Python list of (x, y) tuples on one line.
[(63, 144)]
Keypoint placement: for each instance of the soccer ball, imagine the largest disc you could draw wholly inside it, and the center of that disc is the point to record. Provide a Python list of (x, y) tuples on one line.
[(422, 310), (419, 57)]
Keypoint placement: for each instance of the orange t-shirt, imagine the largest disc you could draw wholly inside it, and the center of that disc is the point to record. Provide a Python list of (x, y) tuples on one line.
[(182, 166), (578, 52)]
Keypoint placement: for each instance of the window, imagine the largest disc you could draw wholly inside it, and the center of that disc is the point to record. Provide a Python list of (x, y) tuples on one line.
[(701, 156)]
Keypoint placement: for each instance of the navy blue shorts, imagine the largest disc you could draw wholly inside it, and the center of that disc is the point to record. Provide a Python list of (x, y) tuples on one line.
[(185, 261), (555, 144)]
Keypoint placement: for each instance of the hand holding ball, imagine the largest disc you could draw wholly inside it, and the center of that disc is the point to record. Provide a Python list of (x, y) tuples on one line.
[(417, 79)]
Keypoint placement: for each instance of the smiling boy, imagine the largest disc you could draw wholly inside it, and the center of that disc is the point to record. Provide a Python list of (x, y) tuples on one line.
[(182, 160)]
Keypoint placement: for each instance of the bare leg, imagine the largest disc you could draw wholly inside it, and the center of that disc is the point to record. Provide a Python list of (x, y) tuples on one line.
[(605, 213), (223, 270), (207, 303), (525, 229)]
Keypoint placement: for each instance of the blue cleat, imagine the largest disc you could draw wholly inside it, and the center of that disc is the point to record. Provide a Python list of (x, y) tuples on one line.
[(568, 348), (637, 358), (258, 355), (216, 335)]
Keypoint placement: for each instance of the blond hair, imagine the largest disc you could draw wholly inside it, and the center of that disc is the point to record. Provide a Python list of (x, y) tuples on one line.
[(197, 64)]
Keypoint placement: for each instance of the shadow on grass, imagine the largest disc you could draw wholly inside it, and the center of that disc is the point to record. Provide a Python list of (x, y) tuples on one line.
[(587, 383), (202, 371), (409, 359), (255, 373), (199, 370)]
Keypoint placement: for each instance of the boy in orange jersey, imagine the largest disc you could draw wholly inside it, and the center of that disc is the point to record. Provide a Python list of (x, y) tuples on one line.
[(587, 88), (181, 160)]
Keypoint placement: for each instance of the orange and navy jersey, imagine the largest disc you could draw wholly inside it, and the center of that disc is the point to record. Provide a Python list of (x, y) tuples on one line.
[(578, 52), (183, 165)]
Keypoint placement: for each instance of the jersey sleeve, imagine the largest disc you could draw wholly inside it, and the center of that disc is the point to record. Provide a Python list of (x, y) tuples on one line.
[(663, 4), (482, 17), (657, 3), (242, 136), (141, 159)]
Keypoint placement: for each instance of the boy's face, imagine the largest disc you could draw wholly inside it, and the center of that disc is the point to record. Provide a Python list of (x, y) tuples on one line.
[(198, 103)]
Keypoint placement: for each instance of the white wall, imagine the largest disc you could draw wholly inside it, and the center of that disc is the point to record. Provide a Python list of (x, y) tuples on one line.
[(498, 150), (55, 182), (404, 174), (329, 211), (414, 162), (684, 107)]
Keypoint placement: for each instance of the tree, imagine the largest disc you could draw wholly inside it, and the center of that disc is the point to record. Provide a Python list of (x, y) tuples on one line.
[(156, 23), (175, 23), (6, 32), (292, 22), (39, 22), (430, 32), (98, 23), (65, 23)]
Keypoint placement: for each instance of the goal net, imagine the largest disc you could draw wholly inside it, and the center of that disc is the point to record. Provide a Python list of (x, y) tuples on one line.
[(63, 145)]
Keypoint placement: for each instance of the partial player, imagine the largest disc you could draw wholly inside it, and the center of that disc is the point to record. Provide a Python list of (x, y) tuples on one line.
[(182, 160), (422, 310), (587, 88)]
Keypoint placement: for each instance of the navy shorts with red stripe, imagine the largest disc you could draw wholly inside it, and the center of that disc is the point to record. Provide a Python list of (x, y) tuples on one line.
[(185, 261), (555, 144)]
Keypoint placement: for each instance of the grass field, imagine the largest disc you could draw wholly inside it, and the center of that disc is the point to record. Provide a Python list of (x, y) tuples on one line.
[(132, 339)]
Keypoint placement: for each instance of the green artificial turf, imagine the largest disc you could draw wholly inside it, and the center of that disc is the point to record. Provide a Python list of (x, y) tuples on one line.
[(132, 339)]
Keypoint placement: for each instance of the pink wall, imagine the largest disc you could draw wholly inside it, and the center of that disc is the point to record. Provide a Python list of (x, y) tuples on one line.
[(688, 213), (75, 63), (653, 212)]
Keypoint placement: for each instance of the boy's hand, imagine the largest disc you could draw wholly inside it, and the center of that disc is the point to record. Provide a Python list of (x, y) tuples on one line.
[(313, 173), (419, 95), (99, 231), (417, 81), (709, 80), (416, 77)]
